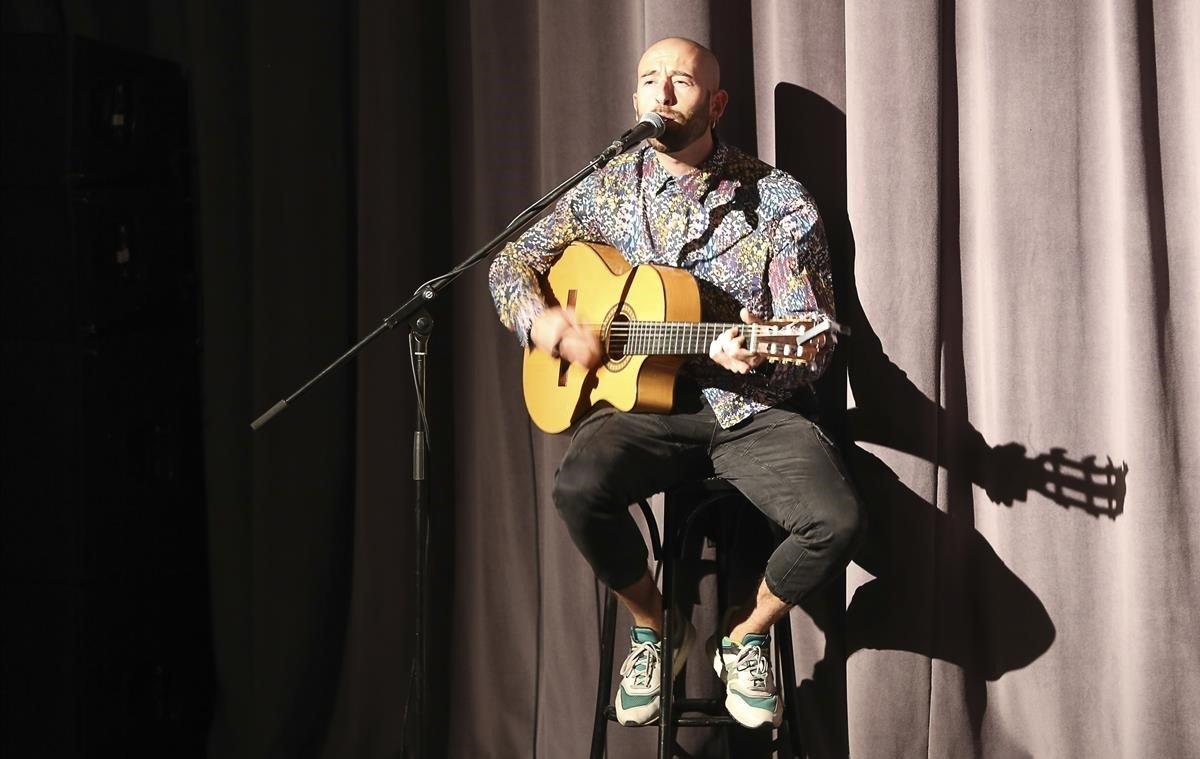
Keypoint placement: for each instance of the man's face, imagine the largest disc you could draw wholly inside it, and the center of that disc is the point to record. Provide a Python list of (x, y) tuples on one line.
[(676, 81)]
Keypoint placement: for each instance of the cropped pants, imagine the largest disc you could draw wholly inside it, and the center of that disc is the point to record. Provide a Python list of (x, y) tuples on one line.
[(781, 461)]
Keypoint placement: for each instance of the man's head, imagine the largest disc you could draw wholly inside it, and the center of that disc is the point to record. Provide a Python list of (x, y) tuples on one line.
[(681, 80)]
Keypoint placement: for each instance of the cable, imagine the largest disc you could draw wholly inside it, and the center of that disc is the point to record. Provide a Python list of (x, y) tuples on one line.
[(412, 364)]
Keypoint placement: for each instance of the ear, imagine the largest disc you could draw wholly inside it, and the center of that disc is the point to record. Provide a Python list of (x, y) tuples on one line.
[(635, 111), (720, 99)]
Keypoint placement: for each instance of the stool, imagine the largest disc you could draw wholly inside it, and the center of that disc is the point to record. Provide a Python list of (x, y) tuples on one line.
[(689, 712)]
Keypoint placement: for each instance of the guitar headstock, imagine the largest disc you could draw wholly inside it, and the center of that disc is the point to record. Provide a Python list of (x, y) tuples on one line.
[(797, 341)]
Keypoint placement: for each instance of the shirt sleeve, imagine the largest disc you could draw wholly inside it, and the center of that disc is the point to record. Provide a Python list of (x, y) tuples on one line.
[(801, 284), (513, 275)]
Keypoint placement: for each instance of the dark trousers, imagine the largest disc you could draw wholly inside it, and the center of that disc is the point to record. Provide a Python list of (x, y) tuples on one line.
[(781, 461)]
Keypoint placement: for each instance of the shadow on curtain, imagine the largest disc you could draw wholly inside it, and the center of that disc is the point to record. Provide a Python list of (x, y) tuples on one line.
[(939, 590)]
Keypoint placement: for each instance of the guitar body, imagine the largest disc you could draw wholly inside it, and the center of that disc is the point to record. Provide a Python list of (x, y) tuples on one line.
[(602, 286)]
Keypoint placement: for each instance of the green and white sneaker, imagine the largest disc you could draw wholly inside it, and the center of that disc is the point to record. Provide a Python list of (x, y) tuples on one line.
[(641, 677), (750, 695)]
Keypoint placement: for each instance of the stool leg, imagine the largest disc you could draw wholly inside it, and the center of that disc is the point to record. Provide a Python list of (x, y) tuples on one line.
[(604, 680), (666, 722), (786, 681), (666, 725)]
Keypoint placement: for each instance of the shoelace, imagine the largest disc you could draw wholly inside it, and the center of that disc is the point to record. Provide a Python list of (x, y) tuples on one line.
[(642, 663), (753, 664)]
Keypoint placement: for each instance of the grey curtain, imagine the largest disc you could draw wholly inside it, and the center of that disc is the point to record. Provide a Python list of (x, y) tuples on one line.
[(1011, 192), (1018, 183), (1017, 237)]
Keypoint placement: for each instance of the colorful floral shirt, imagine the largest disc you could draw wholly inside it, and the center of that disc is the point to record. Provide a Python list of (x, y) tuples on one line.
[(749, 233)]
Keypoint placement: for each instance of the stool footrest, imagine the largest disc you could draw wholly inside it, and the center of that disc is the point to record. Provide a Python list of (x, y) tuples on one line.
[(707, 721), (712, 709), (703, 705)]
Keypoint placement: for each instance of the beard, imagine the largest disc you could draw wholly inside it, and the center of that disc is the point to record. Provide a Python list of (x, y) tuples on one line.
[(682, 130)]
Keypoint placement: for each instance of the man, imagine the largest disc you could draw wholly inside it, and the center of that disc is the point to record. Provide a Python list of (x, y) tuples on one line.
[(751, 236)]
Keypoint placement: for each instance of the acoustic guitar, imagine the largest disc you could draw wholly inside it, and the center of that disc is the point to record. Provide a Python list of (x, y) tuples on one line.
[(648, 321)]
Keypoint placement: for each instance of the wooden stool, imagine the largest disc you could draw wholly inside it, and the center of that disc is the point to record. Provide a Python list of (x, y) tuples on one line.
[(682, 506)]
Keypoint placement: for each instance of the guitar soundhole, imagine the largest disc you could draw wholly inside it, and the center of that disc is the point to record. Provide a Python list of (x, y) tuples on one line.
[(616, 338)]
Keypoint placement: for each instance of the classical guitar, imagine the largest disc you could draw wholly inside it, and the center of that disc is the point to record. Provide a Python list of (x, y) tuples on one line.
[(647, 318)]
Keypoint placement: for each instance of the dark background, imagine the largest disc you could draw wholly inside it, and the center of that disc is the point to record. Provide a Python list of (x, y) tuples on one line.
[(234, 196)]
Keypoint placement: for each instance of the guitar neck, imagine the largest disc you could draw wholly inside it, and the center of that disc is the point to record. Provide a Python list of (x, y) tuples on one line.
[(675, 338)]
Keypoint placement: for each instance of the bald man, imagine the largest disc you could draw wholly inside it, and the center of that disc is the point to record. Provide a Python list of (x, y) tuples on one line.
[(751, 236)]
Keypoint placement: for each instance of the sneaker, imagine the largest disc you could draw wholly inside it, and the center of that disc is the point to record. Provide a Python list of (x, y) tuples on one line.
[(750, 696), (637, 700)]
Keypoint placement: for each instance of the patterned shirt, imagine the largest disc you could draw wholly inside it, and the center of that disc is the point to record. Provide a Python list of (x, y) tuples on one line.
[(749, 233)]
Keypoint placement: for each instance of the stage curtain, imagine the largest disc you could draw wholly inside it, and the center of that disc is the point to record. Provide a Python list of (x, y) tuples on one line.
[(1010, 190)]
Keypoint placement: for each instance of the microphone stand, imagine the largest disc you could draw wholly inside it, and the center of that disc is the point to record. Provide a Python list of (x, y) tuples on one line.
[(413, 312)]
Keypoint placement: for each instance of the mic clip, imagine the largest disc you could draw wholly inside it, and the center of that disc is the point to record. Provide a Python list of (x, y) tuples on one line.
[(617, 147)]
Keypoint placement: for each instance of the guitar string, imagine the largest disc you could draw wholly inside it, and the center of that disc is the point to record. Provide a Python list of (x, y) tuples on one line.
[(682, 338)]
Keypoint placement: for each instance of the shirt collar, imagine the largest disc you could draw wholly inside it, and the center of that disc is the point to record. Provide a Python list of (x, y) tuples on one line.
[(697, 183)]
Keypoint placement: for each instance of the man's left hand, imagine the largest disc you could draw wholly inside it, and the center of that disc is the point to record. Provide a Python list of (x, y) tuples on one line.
[(729, 350)]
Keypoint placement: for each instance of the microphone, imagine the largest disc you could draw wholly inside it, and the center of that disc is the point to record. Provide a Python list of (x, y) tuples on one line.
[(651, 125)]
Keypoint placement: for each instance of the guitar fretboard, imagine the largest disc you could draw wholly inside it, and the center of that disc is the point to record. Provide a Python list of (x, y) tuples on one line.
[(672, 338)]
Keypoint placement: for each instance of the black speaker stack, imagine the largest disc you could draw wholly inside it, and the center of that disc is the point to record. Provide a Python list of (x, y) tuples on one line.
[(105, 647)]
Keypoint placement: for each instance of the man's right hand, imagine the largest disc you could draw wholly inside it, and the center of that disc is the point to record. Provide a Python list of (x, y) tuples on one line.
[(557, 332)]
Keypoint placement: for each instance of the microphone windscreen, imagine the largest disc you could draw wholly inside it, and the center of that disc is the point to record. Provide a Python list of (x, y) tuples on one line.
[(652, 118)]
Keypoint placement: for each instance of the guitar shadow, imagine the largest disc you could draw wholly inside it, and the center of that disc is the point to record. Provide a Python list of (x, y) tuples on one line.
[(939, 589)]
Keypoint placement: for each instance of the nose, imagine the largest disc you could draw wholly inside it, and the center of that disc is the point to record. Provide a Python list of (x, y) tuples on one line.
[(665, 94)]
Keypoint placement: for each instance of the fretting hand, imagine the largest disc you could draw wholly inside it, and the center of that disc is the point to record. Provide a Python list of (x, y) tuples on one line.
[(557, 331), (729, 349)]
